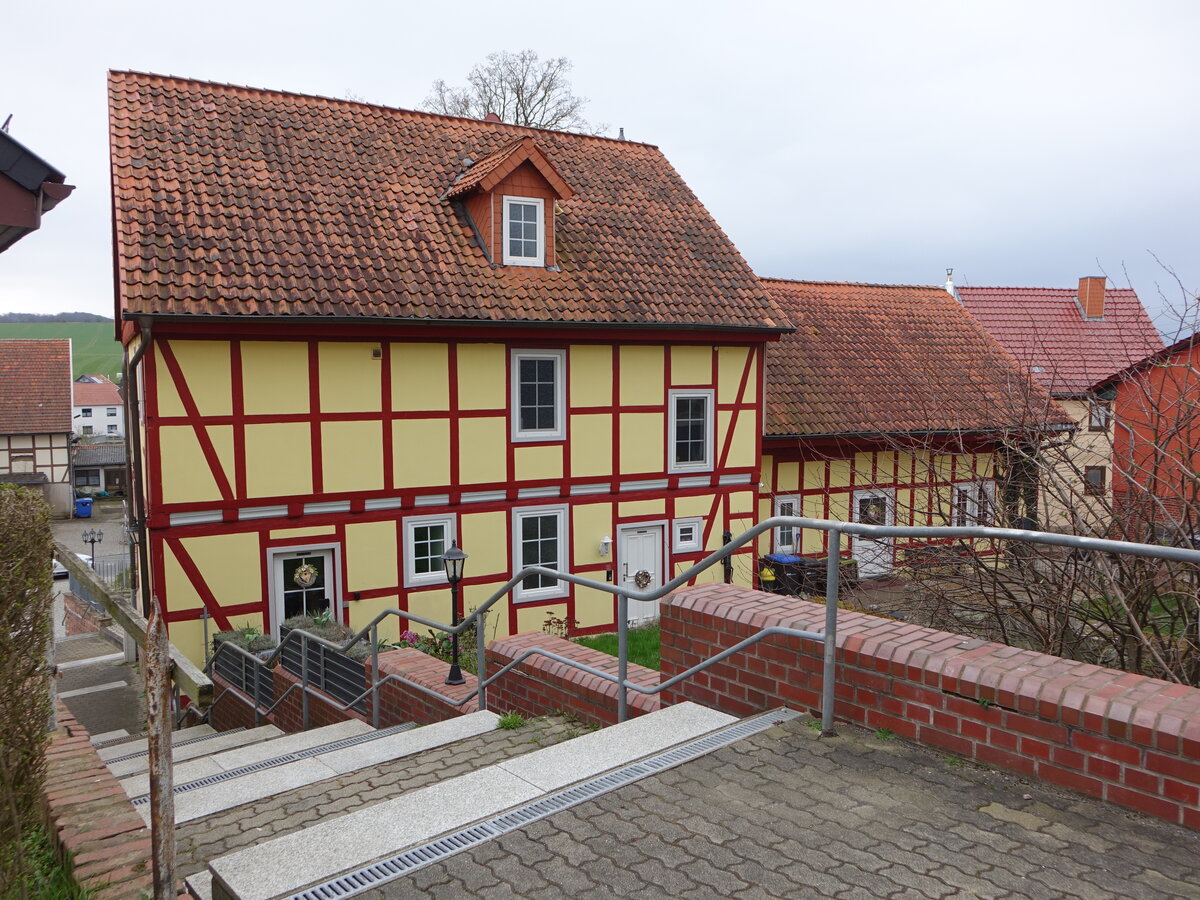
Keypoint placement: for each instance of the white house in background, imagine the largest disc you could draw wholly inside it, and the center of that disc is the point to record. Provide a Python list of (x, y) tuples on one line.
[(98, 411)]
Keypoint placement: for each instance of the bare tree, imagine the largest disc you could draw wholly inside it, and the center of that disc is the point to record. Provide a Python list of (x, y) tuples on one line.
[(520, 89)]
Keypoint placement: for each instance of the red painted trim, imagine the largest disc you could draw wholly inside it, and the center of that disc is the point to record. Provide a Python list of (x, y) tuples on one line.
[(193, 614), (455, 440), (193, 575), (193, 412), (239, 418), (314, 408), (385, 405)]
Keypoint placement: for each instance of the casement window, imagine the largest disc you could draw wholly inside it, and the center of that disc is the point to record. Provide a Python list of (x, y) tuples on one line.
[(1099, 415), (87, 478), (691, 431), (540, 539), (426, 538), (87, 429), (786, 535), (86, 412), (973, 503), (688, 535), (1095, 479), (538, 395), (524, 231), (111, 412), (112, 429)]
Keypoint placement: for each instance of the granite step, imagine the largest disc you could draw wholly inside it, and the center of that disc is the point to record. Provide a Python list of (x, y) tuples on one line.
[(136, 743), (225, 740)]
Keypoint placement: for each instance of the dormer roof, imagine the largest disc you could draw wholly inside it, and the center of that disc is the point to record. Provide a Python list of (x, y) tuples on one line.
[(488, 172)]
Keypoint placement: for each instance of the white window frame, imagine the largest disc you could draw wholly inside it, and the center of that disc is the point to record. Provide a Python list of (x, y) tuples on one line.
[(706, 465), (560, 588), (981, 497), (540, 259), (559, 431), (111, 412), (781, 545), (334, 583), (1099, 415), (412, 578), (679, 543), (85, 412)]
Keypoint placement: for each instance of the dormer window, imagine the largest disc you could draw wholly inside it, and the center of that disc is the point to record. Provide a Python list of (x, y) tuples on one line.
[(524, 231)]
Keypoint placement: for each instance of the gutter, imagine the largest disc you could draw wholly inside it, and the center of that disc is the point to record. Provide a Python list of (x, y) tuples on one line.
[(139, 552)]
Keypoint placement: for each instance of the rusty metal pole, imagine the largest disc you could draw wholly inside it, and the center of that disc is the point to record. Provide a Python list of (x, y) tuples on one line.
[(158, 733)]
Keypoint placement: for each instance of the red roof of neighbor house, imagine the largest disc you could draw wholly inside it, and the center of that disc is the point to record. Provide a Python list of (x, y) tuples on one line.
[(235, 201), (35, 387), (1044, 328), (1159, 357), (103, 393), (898, 359)]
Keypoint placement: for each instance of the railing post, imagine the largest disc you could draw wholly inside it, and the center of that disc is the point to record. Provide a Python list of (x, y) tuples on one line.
[(254, 671), (833, 574), (304, 681), (375, 675), (481, 657), (622, 655)]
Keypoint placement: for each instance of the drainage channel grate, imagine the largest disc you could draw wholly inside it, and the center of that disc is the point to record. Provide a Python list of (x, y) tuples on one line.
[(195, 740), (376, 874), (282, 760)]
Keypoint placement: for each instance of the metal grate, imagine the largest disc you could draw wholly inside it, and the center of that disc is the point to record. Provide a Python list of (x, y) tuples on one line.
[(384, 871), (283, 759), (195, 740)]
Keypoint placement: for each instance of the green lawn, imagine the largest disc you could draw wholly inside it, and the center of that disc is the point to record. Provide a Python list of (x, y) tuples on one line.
[(643, 645), (94, 351)]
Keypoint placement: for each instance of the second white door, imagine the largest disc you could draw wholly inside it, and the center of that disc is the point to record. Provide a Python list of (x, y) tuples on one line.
[(640, 565), (874, 556)]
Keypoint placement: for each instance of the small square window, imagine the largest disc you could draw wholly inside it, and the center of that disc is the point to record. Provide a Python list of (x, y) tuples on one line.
[(689, 535), (540, 539), (87, 429), (426, 538), (111, 412), (786, 535), (112, 429), (538, 395), (1099, 415), (86, 412), (691, 431), (524, 231), (1095, 478), (87, 478)]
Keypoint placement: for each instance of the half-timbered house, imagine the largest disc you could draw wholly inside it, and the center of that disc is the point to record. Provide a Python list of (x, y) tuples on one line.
[(357, 334)]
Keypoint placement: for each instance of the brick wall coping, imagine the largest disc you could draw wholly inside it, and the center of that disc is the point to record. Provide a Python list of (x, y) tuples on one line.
[(511, 647), (427, 671), (1121, 705)]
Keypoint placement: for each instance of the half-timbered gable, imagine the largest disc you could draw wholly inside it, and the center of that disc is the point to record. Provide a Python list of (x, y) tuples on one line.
[(367, 332), (887, 406), (35, 418)]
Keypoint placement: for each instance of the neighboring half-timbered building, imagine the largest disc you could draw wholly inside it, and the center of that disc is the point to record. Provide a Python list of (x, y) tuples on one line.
[(887, 405), (35, 418), (356, 334)]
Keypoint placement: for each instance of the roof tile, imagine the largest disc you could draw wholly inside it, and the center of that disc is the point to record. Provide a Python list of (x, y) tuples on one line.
[(35, 387)]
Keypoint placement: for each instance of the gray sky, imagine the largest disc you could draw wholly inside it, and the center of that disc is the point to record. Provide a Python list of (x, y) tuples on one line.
[(1022, 143)]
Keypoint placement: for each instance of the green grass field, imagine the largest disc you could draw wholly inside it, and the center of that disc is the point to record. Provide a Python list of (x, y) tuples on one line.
[(93, 349)]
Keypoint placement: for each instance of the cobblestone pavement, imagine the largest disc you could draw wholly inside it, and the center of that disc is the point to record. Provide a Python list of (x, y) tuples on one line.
[(788, 814), (205, 839)]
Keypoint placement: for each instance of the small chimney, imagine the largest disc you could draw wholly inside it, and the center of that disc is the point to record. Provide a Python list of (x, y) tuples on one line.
[(492, 117), (950, 282), (1091, 296)]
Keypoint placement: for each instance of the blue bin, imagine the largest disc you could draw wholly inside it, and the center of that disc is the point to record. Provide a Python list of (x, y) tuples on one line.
[(83, 507)]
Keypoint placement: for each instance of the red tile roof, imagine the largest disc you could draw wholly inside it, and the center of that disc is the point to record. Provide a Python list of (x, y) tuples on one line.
[(243, 202), (891, 359), (1044, 328), (488, 172), (35, 387), (103, 393)]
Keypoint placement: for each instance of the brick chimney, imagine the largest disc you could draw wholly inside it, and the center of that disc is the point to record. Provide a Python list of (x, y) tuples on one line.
[(1091, 296)]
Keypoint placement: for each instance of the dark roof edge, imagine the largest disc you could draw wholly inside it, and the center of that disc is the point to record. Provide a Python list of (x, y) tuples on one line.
[(23, 152), (767, 436)]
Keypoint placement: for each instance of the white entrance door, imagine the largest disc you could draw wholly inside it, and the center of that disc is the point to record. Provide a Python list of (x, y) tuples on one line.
[(304, 582), (639, 559), (876, 506)]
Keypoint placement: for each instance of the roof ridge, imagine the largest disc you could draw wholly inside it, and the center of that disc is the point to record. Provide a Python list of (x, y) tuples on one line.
[(936, 287), (1070, 290), (364, 103)]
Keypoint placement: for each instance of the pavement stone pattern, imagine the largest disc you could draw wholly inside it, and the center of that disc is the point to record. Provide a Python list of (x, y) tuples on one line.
[(789, 814), (205, 839)]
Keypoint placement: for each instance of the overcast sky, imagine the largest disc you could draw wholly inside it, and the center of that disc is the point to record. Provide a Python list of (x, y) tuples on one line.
[(1022, 143)]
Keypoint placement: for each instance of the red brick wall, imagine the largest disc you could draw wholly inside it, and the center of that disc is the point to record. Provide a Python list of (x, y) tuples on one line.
[(79, 617), (540, 685), (1125, 738), (401, 703)]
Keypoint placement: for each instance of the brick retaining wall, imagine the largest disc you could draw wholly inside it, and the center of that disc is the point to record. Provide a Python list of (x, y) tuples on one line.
[(1126, 738), (540, 686)]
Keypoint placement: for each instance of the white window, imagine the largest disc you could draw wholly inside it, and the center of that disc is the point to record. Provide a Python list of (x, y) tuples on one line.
[(86, 412), (112, 429), (785, 535), (538, 395), (524, 231), (540, 539), (426, 538), (111, 412), (1099, 415), (691, 430), (689, 535), (973, 503), (87, 429)]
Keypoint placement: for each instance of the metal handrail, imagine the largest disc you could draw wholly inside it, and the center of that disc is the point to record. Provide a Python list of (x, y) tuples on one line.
[(827, 637)]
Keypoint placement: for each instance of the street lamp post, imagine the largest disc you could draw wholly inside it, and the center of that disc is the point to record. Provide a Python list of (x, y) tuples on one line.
[(93, 536), (454, 559)]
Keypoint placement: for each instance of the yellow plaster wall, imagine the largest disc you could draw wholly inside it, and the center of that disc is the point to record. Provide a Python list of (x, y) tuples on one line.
[(352, 456), (186, 476), (591, 375), (589, 523), (420, 376), (496, 622), (591, 445), (482, 376), (741, 449), (642, 443), (371, 559), (363, 611), (538, 462), (303, 532), (206, 369), (691, 365), (642, 376), (274, 377), (278, 459), (188, 636), (839, 506), (839, 473), (349, 376), (814, 476), (484, 536), (593, 607), (166, 396), (481, 445), (741, 503), (789, 478), (421, 452), (531, 618), (695, 505), (731, 364), (641, 509), (432, 604), (228, 563)]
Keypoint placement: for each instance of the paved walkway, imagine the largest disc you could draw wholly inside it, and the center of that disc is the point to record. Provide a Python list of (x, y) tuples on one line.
[(788, 814), (102, 690)]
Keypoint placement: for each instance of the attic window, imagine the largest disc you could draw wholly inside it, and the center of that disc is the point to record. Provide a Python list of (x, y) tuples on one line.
[(524, 231)]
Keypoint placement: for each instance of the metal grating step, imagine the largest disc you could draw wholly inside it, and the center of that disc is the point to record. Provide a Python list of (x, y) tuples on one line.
[(283, 759), (384, 871), (141, 753)]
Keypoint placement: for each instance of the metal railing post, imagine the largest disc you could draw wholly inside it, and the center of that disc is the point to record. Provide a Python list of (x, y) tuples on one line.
[(375, 712), (304, 681), (622, 655), (481, 657), (257, 671), (833, 574)]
